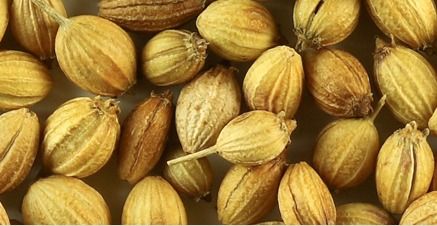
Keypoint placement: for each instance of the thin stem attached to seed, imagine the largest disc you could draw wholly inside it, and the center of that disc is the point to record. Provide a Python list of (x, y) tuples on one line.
[(193, 156), (49, 10), (378, 108)]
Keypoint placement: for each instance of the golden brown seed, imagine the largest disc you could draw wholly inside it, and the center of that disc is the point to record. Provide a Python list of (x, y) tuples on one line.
[(423, 211), (80, 136), (319, 23), (4, 17), (147, 15), (338, 82), (153, 201), (4, 219), (34, 29), (64, 200), (346, 151), (408, 80), (304, 198), (237, 30), (205, 106), (275, 81), (247, 194), (173, 57), (432, 123), (193, 178), (19, 144), (362, 213), (95, 61), (144, 136), (412, 22), (404, 168), (24, 80), (271, 223), (253, 138)]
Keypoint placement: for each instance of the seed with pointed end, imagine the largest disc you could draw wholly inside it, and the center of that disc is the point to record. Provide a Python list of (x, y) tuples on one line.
[(19, 144), (205, 106), (193, 178), (34, 29), (423, 211), (404, 168), (4, 219), (304, 198), (346, 151), (150, 15), (412, 22), (80, 136), (319, 23), (144, 136), (4, 17), (408, 80), (362, 214), (237, 30), (173, 57), (153, 201), (247, 194), (64, 200), (24, 80), (253, 138), (338, 82), (275, 81), (95, 61)]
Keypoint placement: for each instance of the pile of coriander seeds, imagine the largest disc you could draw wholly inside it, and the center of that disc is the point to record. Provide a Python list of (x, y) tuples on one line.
[(226, 111)]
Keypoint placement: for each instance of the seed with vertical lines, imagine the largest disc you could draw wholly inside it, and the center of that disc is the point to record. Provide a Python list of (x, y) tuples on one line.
[(33, 28), (423, 211), (404, 169), (80, 136), (153, 201), (19, 144), (64, 200), (362, 214)]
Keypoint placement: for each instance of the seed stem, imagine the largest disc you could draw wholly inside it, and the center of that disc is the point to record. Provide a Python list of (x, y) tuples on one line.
[(44, 6), (193, 156), (378, 108)]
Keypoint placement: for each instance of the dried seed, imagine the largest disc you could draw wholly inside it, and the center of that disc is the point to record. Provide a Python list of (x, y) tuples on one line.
[(173, 57), (205, 106), (64, 200), (4, 17), (404, 168), (275, 81), (153, 201), (4, 219), (144, 136), (362, 214), (423, 211), (253, 138)]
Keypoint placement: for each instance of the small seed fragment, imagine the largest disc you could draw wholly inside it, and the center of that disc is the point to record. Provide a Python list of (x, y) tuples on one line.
[(4, 17)]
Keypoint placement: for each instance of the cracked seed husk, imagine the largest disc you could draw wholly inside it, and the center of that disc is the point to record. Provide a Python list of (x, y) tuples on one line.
[(253, 138), (147, 15), (423, 211), (247, 194), (19, 144), (238, 30), (80, 136), (24, 80), (4, 17), (338, 82), (93, 60), (412, 22), (304, 198), (404, 168), (319, 23), (346, 151), (362, 214), (173, 57), (205, 106), (33, 28), (193, 178), (275, 81), (153, 201), (144, 136), (64, 200), (408, 80), (4, 219)]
